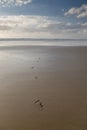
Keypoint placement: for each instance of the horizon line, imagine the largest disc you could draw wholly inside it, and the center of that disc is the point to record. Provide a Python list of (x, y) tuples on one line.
[(33, 39)]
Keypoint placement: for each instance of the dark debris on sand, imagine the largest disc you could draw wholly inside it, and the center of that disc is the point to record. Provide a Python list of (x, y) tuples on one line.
[(39, 103)]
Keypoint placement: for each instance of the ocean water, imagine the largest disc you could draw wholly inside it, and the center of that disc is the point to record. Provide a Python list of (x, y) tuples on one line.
[(44, 42)]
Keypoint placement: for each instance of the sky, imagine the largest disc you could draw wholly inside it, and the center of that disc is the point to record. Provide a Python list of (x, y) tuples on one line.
[(43, 19)]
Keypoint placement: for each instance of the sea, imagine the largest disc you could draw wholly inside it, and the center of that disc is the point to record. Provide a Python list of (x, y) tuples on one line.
[(43, 42)]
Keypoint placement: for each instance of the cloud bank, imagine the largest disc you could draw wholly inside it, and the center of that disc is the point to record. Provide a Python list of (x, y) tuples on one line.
[(80, 12), (40, 27), (8, 3)]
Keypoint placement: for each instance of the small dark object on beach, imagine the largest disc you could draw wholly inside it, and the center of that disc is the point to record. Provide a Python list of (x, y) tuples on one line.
[(41, 105), (37, 101), (32, 67), (36, 77)]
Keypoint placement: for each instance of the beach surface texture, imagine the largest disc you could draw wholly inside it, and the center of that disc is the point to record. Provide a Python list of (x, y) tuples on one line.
[(43, 88)]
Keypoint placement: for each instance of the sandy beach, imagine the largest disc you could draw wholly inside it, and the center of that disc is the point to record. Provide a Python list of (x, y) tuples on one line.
[(57, 76)]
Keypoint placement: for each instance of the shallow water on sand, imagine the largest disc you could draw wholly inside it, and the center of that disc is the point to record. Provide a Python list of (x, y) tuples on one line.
[(57, 76)]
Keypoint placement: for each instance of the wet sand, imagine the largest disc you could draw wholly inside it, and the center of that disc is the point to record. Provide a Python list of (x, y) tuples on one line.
[(57, 76)]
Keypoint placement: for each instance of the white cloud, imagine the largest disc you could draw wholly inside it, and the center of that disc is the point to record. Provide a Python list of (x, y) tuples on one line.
[(80, 12), (84, 24), (8, 3), (39, 27)]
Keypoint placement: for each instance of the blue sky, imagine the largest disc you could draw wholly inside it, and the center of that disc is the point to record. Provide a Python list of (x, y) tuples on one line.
[(43, 19)]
